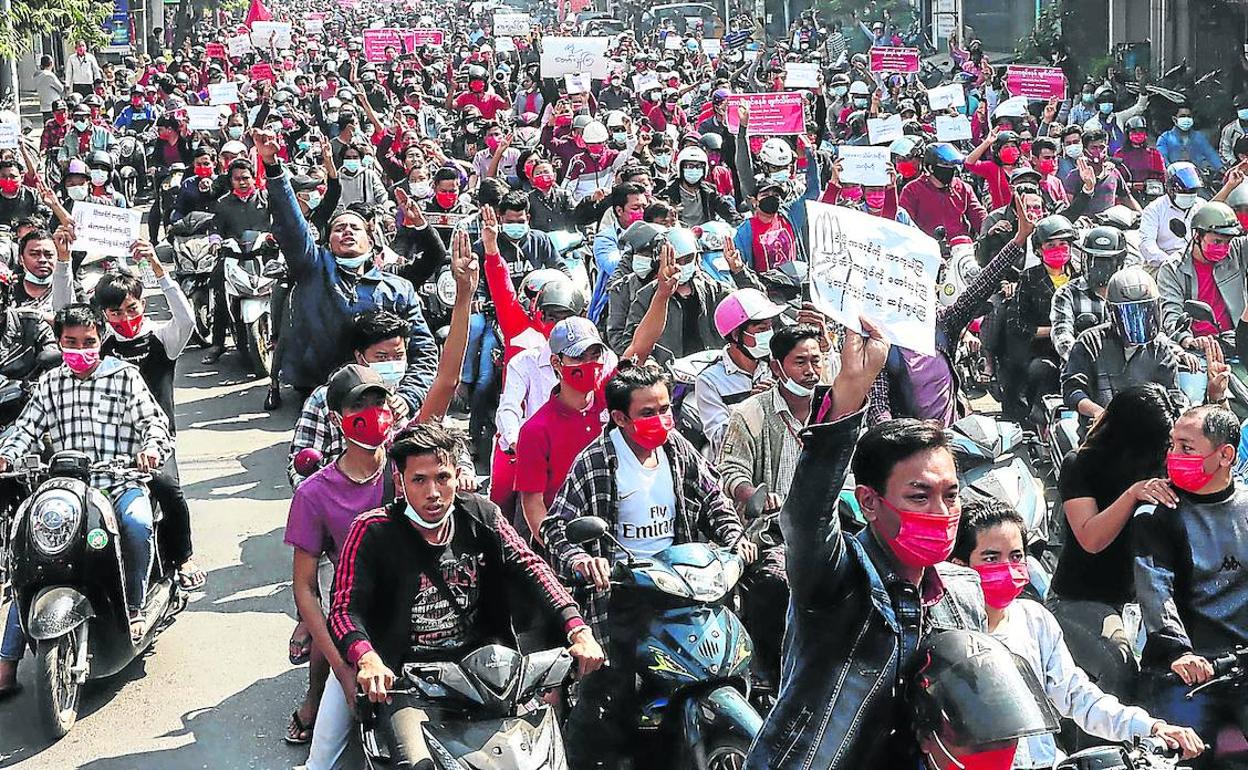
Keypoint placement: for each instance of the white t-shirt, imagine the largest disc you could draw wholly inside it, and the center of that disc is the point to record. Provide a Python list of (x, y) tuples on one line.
[(646, 499)]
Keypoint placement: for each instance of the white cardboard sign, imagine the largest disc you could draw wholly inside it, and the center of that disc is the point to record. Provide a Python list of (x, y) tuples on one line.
[(863, 165), (106, 231)]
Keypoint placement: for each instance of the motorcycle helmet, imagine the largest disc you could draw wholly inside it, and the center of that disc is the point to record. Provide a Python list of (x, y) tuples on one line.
[(776, 152), (741, 307), (684, 241), (100, 160), (1183, 178), (1134, 306), (711, 142), (1105, 95), (970, 690), (1216, 217), (839, 84), (939, 154), (594, 133), (1054, 227), (1104, 250), (560, 295), (1004, 138), (536, 279), (1136, 123), (1238, 201), (642, 236)]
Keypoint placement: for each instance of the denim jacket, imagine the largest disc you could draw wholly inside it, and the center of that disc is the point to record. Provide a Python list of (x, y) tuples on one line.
[(853, 626)]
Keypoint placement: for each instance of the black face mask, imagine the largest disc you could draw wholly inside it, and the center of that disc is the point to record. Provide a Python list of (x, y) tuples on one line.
[(769, 204), (1099, 272), (944, 174)]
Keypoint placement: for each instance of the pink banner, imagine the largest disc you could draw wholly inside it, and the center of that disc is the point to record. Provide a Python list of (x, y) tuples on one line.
[(404, 41), (421, 36), (1035, 82), (887, 59), (262, 71), (777, 112)]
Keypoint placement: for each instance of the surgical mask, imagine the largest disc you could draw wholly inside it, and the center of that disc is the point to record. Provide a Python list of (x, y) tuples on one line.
[(875, 198), (686, 272), (1087, 98), (783, 175), (99, 177), (925, 539), (391, 372), (235, 132), (330, 117), (1187, 472), (77, 192), (368, 428), (421, 190), (620, 137), (351, 165), (515, 230), (642, 264), (663, 159), (1056, 257), (1073, 151), (840, 90), (796, 388), (1214, 251), (584, 377), (860, 101), (1009, 155), (1003, 582), (1138, 137), (544, 182), (1046, 166), (651, 432), (632, 216), (314, 199), (908, 168), (353, 263), (693, 175), (1242, 115), (762, 345), (37, 280), (80, 125), (80, 361), (415, 518), (367, 161), (1184, 123), (1106, 107), (1184, 200)]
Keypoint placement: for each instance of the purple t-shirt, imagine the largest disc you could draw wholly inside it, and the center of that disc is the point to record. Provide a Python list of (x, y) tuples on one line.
[(931, 385), (324, 507)]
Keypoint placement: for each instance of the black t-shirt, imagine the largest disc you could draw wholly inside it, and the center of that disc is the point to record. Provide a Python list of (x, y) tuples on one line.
[(437, 627), (1100, 577)]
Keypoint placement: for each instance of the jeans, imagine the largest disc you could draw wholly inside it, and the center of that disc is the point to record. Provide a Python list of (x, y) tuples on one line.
[(134, 517), (479, 359), (175, 527), (333, 728), (14, 644), (1207, 713)]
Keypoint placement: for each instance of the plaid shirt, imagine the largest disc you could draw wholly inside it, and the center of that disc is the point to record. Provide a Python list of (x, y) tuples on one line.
[(313, 430), (1069, 302), (110, 415), (589, 490)]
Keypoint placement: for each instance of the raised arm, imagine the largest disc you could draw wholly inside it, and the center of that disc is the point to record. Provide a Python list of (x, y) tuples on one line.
[(290, 227), (466, 269)]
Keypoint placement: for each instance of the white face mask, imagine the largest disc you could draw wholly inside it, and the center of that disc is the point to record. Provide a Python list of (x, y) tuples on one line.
[(796, 388), (762, 345), (1184, 200), (416, 519), (642, 264), (99, 177), (1074, 151), (686, 272), (77, 192)]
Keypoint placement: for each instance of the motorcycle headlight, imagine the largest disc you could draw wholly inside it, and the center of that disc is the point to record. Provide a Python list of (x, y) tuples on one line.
[(708, 583), (446, 288), (668, 584), (54, 521)]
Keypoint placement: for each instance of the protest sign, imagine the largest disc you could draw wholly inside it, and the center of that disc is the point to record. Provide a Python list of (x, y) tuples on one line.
[(270, 34), (10, 135), (712, 47), (880, 130), (214, 50), (576, 84), (106, 231), (892, 59), (1035, 82), (644, 81), (504, 45), (778, 112), (863, 265), (223, 93), (801, 75), (314, 23), (512, 24), (377, 40), (953, 128), (238, 46), (422, 36), (863, 165), (672, 42), (575, 55), (944, 97), (262, 71), (203, 118)]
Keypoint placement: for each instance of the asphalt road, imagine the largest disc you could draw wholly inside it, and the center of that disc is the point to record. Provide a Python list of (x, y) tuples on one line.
[(216, 689)]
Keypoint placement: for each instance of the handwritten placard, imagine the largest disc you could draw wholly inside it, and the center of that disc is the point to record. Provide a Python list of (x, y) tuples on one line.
[(801, 75), (712, 47), (314, 23), (1035, 82), (576, 84), (575, 55), (944, 97), (862, 265), (672, 42), (106, 231), (239, 45), (510, 24), (953, 128), (777, 112), (203, 118), (262, 71), (504, 44), (223, 93), (882, 130), (644, 81), (863, 165), (894, 59), (214, 50), (270, 34), (423, 36), (10, 135)]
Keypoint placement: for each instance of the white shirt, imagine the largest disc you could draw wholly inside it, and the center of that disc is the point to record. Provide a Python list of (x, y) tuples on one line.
[(719, 388), (1158, 244), (1031, 632), (646, 501)]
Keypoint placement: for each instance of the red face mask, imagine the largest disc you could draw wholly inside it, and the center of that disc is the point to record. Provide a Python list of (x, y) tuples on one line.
[(1215, 252), (476, 86), (1137, 137), (10, 186), (875, 198), (544, 182), (446, 199), (1046, 166), (925, 539), (1056, 257), (1009, 155), (852, 194), (908, 169), (1001, 759), (562, 121), (369, 428), (203, 171), (1187, 472), (1242, 216), (61, 117), (584, 377), (492, 140), (128, 327), (1003, 582), (650, 432)]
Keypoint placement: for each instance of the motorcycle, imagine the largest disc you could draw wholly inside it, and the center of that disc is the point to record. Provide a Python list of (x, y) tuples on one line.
[(958, 266), (131, 160), (249, 286), (693, 656), (488, 707), (684, 373), (193, 256), (1230, 670), (572, 251), (67, 582), (1146, 754)]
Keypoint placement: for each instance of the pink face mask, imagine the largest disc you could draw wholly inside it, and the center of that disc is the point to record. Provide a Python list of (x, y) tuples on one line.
[(1003, 582), (925, 539), (81, 361), (875, 199), (1216, 252), (632, 216)]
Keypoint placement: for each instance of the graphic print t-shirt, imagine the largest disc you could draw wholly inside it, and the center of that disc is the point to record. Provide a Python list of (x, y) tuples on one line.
[(437, 627), (647, 501)]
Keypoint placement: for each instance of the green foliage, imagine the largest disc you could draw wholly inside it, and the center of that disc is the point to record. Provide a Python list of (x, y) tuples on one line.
[(1044, 35), (75, 19)]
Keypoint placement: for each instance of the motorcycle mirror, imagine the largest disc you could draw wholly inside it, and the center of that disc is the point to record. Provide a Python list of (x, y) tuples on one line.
[(1199, 311), (1179, 228), (585, 529), (308, 461)]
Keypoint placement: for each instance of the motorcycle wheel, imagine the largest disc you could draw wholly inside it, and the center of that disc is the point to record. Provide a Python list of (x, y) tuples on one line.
[(201, 303), (726, 752), (56, 693), (259, 342), (130, 189)]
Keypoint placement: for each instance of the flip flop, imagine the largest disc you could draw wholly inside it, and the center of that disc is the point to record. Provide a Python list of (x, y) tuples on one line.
[(193, 580), (138, 628), (10, 692), (300, 652), (302, 733)]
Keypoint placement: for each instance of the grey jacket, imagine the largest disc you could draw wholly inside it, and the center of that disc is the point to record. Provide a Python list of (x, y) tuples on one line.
[(1177, 282)]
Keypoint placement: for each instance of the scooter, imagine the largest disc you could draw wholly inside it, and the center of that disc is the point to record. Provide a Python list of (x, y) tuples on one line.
[(958, 266), (248, 288), (1230, 670), (67, 580), (1146, 754), (131, 160), (570, 246), (684, 374), (488, 707), (693, 657), (190, 249)]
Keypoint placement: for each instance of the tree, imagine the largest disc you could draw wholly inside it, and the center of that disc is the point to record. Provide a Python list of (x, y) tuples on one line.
[(75, 19)]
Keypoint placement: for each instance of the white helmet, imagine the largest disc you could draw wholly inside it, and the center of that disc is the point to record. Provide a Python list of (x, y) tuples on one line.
[(692, 155), (594, 133), (776, 152), (616, 118), (859, 88)]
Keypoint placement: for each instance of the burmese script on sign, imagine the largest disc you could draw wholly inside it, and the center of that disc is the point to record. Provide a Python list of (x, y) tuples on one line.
[(106, 231)]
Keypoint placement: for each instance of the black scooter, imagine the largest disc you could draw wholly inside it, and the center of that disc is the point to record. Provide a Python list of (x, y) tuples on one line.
[(68, 582)]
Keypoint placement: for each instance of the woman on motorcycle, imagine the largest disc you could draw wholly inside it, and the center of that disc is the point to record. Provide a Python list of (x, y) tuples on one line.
[(1120, 464), (1143, 162)]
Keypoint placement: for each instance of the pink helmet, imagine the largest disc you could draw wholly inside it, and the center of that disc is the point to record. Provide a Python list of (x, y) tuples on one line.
[(741, 307)]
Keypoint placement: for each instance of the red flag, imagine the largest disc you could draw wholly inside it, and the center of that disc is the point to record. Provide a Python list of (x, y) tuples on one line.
[(257, 12)]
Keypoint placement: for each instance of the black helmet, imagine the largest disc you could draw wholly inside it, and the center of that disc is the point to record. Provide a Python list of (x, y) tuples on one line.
[(1104, 250), (1054, 227), (642, 236), (1004, 138), (561, 295), (712, 142), (972, 689), (100, 159), (1134, 306)]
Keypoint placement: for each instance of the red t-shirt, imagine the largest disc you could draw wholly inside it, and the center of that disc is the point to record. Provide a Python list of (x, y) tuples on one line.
[(551, 439), (488, 102), (1207, 292), (774, 244), (998, 181)]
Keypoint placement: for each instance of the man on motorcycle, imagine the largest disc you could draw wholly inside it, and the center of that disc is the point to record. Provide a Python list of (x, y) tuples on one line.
[(655, 491), (1104, 250), (1210, 272), (1129, 350), (860, 605), (138, 114), (1111, 122), (1159, 241), (100, 406), (450, 567), (1182, 143), (1108, 187), (693, 195), (201, 190), (1190, 578), (939, 198)]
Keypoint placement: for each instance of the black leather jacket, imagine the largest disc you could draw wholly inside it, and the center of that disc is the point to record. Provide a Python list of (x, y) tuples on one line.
[(853, 627)]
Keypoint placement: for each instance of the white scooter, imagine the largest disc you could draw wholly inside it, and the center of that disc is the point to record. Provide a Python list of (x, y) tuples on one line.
[(248, 291)]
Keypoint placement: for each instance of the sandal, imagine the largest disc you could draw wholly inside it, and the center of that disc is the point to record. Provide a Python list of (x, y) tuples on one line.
[(191, 579), (138, 627), (300, 649), (298, 733)]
